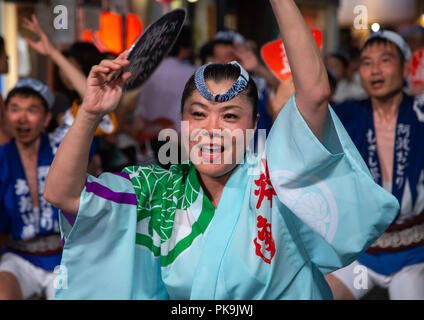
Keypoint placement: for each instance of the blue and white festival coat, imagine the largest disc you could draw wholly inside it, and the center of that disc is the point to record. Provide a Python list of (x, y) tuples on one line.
[(33, 232), (403, 243), (286, 217)]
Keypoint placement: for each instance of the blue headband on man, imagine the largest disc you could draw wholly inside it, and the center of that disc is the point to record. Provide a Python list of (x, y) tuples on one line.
[(235, 90), (38, 87)]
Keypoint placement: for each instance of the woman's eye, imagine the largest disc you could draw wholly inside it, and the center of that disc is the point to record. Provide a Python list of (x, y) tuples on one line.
[(231, 116), (198, 114)]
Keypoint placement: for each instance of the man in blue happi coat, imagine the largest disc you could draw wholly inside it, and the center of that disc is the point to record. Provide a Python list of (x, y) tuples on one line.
[(30, 244), (388, 130)]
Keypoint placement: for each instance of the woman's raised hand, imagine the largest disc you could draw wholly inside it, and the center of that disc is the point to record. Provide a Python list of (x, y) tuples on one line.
[(103, 95)]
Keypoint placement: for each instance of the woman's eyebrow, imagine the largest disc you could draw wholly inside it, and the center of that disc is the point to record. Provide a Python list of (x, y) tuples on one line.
[(202, 105), (226, 108), (223, 109)]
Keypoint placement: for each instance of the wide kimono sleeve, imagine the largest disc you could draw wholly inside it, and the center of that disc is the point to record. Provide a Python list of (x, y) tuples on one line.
[(100, 259), (327, 195)]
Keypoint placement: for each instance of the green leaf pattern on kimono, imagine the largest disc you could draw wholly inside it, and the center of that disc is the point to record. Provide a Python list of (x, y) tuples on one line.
[(160, 195)]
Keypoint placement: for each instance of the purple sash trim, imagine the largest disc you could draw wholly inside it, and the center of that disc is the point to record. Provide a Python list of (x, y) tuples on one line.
[(106, 193), (122, 174), (70, 217)]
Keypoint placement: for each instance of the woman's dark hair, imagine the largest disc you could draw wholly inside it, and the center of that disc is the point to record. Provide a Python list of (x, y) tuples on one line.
[(223, 72)]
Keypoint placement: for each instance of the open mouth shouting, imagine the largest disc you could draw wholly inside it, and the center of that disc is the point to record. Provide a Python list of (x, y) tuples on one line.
[(23, 132), (377, 84), (211, 152)]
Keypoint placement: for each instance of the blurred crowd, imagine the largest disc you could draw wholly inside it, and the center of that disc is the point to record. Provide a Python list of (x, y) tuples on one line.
[(130, 136)]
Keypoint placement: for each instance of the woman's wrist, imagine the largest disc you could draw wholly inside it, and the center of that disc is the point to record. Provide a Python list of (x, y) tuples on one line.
[(88, 119)]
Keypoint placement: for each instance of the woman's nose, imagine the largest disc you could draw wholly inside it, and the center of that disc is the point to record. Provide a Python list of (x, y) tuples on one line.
[(213, 125)]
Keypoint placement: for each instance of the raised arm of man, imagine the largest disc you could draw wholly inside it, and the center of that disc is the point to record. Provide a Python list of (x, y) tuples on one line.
[(45, 47)]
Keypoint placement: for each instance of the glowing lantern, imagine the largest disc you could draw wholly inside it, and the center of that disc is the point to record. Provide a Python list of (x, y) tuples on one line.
[(110, 35)]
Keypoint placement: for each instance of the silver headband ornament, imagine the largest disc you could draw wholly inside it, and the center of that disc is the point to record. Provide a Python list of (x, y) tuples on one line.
[(235, 90)]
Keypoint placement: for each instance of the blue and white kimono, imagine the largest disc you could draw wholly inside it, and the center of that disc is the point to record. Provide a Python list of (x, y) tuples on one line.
[(286, 217), (34, 232), (403, 243)]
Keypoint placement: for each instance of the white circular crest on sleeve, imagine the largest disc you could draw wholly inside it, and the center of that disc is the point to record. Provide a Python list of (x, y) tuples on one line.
[(308, 198)]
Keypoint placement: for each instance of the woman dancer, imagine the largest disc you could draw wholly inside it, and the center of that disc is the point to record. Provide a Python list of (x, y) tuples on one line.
[(227, 224)]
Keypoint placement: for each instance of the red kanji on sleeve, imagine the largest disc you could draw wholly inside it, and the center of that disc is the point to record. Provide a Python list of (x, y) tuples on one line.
[(264, 236), (262, 183)]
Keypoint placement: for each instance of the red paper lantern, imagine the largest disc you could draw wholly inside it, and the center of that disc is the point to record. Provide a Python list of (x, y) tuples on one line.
[(110, 33), (109, 37)]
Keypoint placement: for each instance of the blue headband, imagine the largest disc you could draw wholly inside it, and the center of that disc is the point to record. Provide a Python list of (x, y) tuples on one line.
[(238, 86), (38, 87)]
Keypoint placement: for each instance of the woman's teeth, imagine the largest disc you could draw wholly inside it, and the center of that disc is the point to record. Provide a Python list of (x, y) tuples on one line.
[(212, 149), (211, 153)]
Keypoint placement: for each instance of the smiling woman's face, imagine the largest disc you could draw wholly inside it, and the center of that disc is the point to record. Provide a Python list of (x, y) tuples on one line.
[(216, 130)]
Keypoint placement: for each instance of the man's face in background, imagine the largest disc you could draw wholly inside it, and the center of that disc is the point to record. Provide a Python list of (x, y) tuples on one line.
[(382, 70)]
